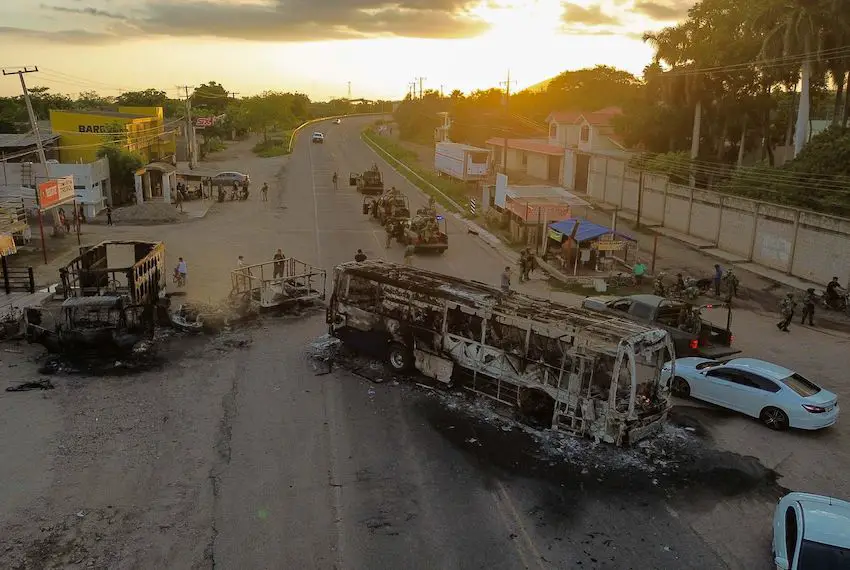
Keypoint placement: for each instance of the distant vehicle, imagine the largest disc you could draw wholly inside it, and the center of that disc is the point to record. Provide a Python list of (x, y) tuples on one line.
[(337, 121), (369, 182), (692, 335), (318, 137), (811, 532), (228, 178), (779, 397), (461, 161)]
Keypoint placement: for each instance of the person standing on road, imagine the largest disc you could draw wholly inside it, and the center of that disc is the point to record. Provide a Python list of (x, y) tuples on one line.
[(360, 257), (108, 215), (786, 309), (182, 272), (809, 301), (638, 271), (718, 278), (506, 280), (278, 265), (244, 273), (390, 227), (265, 191), (408, 254), (335, 178)]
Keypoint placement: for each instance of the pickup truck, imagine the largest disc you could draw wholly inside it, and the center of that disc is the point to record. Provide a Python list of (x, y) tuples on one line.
[(690, 338)]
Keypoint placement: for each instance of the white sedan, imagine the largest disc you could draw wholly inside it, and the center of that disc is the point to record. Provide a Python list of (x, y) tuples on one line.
[(811, 532), (779, 397)]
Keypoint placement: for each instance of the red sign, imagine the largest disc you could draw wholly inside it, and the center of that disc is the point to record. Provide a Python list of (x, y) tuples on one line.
[(204, 122), (55, 192)]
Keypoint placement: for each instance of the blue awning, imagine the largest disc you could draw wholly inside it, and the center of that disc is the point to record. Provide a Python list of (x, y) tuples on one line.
[(587, 230)]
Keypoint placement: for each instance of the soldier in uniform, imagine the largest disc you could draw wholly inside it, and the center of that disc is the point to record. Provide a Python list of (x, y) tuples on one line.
[(658, 285), (809, 301), (786, 309)]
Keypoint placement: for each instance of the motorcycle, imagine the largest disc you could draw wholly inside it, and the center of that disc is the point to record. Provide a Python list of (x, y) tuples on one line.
[(841, 302)]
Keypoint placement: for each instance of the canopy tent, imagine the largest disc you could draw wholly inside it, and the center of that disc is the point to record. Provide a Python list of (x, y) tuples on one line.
[(587, 230)]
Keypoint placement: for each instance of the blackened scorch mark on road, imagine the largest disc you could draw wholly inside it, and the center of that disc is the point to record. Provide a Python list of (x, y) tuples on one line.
[(674, 465)]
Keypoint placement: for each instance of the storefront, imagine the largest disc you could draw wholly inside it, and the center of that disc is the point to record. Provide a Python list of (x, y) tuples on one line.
[(579, 246)]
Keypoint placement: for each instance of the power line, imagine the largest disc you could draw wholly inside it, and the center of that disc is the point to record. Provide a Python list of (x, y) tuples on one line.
[(190, 132)]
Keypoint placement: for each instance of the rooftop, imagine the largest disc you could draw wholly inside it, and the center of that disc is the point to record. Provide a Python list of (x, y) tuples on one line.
[(540, 146), (465, 146), (23, 140), (542, 191), (114, 114)]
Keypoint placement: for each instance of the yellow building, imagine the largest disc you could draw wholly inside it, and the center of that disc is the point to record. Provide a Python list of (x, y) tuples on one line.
[(140, 129)]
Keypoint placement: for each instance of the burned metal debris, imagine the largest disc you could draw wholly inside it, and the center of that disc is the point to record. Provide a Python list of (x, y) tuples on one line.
[(584, 373)]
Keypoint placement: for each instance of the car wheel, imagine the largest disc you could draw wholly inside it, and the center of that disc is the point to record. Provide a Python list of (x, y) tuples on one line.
[(774, 418), (399, 358), (680, 387)]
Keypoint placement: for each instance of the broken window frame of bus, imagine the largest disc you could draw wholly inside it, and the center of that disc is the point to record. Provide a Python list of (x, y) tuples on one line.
[(90, 274), (300, 282), (417, 308)]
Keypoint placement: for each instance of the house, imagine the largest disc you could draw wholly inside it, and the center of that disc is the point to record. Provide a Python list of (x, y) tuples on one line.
[(23, 147), (535, 157)]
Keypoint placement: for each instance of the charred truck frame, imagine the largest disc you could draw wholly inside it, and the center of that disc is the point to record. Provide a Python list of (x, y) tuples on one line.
[(577, 371), (279, 283), (107, 308)]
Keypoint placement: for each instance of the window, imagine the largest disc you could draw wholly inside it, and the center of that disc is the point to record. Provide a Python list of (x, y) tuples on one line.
[(790, 535), (732, 376), (708, 364), (553, 131), (621, 305), (524, 157), (585, 133), (800, 385), (823, 556)]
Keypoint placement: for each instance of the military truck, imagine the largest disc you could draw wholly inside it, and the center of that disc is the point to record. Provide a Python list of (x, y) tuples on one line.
[(369, 182), (391, 206), (427, 231)]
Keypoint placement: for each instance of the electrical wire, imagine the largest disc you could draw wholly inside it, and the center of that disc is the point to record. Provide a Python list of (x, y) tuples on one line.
[(781, 61)]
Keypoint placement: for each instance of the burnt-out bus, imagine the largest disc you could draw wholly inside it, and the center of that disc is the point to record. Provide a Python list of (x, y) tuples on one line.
[(579, 371)]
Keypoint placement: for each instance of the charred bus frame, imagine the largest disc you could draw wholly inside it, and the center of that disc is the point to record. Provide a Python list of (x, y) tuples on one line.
[(583, 373)]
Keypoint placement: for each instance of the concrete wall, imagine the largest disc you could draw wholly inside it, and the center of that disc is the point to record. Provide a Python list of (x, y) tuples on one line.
[(538, 165), (91, 182), (805, 244)]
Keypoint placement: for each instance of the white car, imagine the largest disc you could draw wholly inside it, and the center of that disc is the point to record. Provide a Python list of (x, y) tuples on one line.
[(811, 532), (228, 178), (318, 137), (779, 397)]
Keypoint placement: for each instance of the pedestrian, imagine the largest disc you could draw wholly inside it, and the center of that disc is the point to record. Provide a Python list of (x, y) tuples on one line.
[(731, 282), (638, 271), (179, 199), (278, 266), (408, 254), (359, 257), (506, 280), (523, 263), (809, 301), (108, 215), (265, 191), (244, 273), (658, 285), (718, 278), (786, 309), (389, 229), (335, 178), (182, 272), (82, 215)]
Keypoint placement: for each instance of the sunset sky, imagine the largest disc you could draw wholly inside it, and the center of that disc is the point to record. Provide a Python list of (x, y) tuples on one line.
[(317, 46)]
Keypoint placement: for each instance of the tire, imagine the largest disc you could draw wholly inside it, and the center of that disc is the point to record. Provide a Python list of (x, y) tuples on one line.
[(680, 387), (399, 358), (774, 418)]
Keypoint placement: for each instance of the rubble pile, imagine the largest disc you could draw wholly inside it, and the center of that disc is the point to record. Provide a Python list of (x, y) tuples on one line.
[(148, 213)]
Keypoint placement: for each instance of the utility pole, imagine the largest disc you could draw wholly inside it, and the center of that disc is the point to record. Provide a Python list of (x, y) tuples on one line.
[(441, 90), (412, 89), (507, 84), (233, 94), (20, 72), (420, 80), (190, 131), (349, 90)]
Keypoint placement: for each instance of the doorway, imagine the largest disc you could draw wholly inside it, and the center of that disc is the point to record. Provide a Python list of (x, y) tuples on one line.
[(555, 169), (582, 171)]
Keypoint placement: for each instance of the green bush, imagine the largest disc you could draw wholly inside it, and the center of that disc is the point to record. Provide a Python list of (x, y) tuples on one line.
[(272, 147), (457, 191)]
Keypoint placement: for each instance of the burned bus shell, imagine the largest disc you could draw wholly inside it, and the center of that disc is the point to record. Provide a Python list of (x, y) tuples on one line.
[(587, 374)]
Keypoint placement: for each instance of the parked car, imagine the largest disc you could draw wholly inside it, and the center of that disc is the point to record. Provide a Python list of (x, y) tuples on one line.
[(811, 532), (779, 397), (228, 178), (318, 137), (337, 121)]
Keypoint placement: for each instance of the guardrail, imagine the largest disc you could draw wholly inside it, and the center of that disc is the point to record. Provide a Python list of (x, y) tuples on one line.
[(311, 121), (386, 155), (17, 278)]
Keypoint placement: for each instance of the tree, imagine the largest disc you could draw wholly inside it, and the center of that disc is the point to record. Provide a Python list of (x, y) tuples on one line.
[(210, 97), (92, 100), (150, 98), (122, 167), (43, 101)]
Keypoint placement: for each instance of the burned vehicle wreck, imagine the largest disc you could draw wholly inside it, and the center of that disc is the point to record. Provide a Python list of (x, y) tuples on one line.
[(577, 371), (113, 294)]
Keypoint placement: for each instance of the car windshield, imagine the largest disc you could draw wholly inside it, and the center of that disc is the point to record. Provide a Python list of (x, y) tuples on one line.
[(707, 364), (800, 385), (818, 556)]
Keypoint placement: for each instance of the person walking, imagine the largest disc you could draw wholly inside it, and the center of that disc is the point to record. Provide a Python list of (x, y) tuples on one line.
[(523, 263), (359, 257), (408, 254), (809, 302), (265, 191), (278, 265), (786, 309), (108, 215), (244, 274), (178, 198), (638, 271), (182, 272), (506, 280), (718, 278), (390, 231)]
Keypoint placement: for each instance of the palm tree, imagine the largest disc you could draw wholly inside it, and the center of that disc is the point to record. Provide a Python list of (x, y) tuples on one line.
[(795, 28)]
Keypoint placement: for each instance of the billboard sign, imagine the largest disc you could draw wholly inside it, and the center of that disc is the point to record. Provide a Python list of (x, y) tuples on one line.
[(7, 245), (55, 192), (202, 122)]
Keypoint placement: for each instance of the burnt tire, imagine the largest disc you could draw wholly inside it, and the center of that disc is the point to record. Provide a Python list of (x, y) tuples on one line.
[(399, 358), (537, 407), (680, 387), (774, 418)]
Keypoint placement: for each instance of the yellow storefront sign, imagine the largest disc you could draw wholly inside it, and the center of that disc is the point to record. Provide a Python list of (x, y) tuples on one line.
[(7, 245)]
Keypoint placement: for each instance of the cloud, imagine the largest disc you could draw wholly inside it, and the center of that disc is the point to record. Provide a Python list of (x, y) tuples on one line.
[(590, 16), (86, 10), (83, 37), (661, 11), (300, 20)]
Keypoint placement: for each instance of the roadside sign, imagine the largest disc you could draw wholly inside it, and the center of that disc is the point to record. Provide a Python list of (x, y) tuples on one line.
[(7, 245), (204, 122), (55, 192), (610, 245)]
